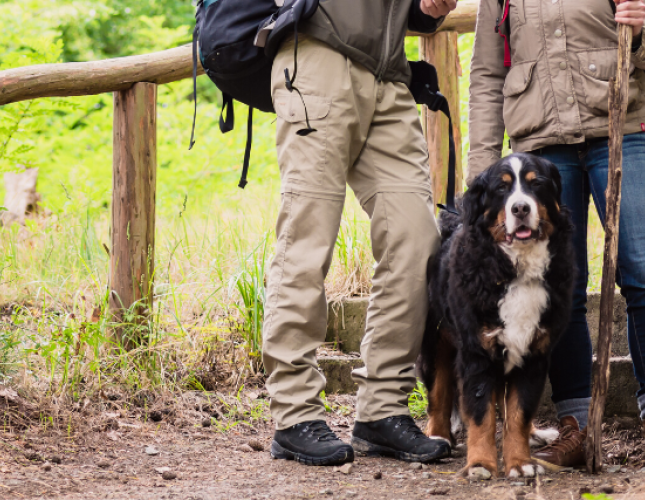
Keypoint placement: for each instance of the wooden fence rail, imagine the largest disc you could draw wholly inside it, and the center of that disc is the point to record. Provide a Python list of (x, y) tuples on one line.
[(133, 80)]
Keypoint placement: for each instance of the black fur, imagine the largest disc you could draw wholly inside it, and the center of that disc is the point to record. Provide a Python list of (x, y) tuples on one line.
[(469, 276)]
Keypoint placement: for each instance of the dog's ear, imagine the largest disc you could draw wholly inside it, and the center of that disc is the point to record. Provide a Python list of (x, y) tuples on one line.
[(474, 199), (554, 174)]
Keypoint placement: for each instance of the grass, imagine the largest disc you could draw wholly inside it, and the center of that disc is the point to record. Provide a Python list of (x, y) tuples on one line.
[(214, 243)]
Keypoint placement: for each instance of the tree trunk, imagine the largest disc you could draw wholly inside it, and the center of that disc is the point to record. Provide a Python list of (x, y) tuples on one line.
[(441, 50), (133, 208), (618, 98)]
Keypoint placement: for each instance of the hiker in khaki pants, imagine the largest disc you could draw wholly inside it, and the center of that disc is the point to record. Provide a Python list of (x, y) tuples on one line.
[(352, 75)]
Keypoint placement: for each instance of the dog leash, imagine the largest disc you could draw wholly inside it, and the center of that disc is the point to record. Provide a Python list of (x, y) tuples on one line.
[(425, 90)]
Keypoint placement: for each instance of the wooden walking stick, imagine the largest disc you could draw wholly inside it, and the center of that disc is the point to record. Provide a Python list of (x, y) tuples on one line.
[(618, 96)]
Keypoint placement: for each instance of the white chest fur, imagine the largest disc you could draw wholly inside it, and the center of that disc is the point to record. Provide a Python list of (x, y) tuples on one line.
[(525, 300)]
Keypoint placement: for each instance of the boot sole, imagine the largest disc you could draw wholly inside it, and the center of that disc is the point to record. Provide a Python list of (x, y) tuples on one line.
[(554, 467), (343, 455), (365, 448)]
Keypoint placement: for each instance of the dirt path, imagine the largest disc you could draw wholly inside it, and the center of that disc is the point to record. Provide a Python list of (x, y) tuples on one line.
[(111, 462)]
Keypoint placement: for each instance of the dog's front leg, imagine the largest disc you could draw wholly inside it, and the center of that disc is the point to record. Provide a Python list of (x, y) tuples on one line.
[(441, 397), (523, 392), (478, 409)]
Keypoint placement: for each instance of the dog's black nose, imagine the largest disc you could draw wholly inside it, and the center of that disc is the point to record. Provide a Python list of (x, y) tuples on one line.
[(520, 209)]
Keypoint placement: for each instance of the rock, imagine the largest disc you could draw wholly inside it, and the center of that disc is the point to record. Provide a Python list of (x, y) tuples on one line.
[(155, 416), (623, 469), (346, 468), (47, 466), (169, 475), (378, 475), (606, 488), (207, 422), (517, 483), (479, 474), (326, 492), (426, 475), (103, 464), (246, 448), (439, 491), (151, 450), (256, 444), (32, 455), (416, 466), (21, 197), (55, 459), (161, 470), (613, 469)]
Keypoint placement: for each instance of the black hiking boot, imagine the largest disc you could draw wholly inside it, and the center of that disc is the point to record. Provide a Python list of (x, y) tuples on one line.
[(398, 437), (311, 443)]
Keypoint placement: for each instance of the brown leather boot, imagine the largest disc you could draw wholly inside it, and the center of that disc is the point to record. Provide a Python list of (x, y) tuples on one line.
[(566, 451)]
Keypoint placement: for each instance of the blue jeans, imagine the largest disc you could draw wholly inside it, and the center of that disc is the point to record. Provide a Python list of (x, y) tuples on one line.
[(583, 168)]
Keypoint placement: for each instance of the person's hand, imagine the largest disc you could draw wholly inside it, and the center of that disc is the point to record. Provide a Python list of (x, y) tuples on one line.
[(440, 8), (630, 12)]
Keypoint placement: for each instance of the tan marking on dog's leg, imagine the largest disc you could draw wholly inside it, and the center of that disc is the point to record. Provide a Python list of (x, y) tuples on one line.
[(482, 451), (442, 396), (516, 451)]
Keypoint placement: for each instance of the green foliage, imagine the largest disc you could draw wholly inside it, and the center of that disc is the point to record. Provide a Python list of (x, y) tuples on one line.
[(418, 401), (249, 282), (599, 496)]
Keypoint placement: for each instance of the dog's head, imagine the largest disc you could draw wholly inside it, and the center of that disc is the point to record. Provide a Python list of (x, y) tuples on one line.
[(516, 199)]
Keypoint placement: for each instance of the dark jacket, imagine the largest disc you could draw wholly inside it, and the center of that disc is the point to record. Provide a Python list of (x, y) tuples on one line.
[(371, 32)]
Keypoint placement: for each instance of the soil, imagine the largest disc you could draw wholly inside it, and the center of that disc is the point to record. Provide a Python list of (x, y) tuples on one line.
[(126, 454)]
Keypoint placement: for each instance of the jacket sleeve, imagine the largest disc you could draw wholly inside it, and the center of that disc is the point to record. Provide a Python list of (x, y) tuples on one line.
[(638, 55), (420, 22), (487, 75)]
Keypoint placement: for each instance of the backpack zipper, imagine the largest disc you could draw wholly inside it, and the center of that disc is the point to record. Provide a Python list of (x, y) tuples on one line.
[(386, 52)]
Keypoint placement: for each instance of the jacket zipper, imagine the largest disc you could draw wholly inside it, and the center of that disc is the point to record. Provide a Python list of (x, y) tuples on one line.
[(386, 53)]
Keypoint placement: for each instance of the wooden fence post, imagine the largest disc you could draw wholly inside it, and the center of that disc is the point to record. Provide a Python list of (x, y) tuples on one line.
[(441, 50), (133, 203)]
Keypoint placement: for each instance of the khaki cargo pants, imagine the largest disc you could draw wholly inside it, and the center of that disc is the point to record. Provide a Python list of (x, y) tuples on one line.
[(368, 136)]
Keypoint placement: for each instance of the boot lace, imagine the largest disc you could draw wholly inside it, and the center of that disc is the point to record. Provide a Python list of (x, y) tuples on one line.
[(319, 430), (409, 426)]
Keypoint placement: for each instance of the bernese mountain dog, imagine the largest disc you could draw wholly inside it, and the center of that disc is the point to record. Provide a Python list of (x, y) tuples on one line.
[(500, 294)]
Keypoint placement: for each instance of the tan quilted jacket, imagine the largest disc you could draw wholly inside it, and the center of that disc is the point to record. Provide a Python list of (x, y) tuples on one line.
[(563, 53)]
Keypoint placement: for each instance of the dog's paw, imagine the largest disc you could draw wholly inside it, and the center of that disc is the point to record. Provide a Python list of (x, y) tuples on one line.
[(543, 437), (477, 473), (526, 470)]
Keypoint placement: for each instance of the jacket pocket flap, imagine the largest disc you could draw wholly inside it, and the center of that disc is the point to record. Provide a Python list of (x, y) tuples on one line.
[(598, 63), (518, 78), (289, 107)]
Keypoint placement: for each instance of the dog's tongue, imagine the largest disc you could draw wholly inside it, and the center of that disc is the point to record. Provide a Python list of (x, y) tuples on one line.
[(523, 233)]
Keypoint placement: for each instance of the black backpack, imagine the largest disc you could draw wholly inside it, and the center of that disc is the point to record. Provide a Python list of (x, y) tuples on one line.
[(238, 40)]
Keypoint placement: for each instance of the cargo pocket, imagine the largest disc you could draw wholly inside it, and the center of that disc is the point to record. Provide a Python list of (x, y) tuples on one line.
[(523, 102), (596, 68), (302, 159)]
